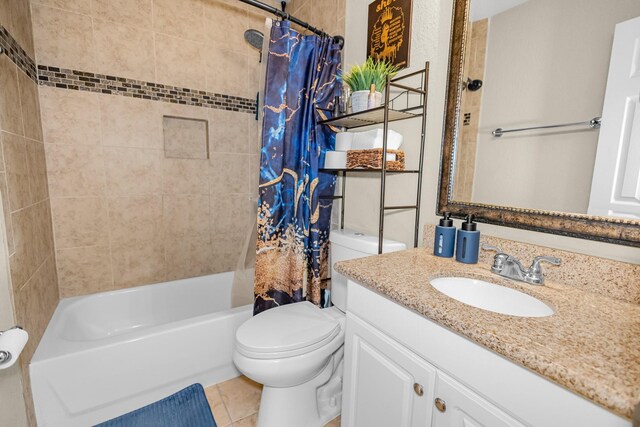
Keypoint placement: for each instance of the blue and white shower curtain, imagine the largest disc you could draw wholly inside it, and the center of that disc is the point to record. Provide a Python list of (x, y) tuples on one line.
[(294, 213)]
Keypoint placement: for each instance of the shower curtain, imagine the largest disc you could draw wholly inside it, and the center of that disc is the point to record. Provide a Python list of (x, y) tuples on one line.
[(294, 213)]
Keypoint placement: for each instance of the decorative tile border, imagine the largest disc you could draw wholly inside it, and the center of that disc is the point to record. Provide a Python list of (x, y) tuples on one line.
[(102, 83), (17, 54)]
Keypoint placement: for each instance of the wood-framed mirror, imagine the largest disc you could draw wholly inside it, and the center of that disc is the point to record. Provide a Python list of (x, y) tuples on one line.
[(548, 179)]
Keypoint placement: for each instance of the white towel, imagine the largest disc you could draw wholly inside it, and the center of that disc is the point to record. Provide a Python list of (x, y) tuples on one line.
[(373, 139), (335, 160), (343, 141)]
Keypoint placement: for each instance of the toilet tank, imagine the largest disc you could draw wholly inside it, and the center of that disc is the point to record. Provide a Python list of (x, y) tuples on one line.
[(348, 244)]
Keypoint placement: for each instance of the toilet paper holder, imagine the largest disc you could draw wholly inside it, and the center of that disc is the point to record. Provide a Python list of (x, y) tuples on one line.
[(6, 356)]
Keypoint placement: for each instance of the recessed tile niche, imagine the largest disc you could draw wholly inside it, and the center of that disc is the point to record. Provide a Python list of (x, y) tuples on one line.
[(185, 138)]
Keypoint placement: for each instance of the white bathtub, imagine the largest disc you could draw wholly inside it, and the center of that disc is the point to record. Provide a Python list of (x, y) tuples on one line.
[(105, 354)]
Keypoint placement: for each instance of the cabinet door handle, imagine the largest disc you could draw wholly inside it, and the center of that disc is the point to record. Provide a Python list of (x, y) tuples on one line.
[(418, 389), (441, 405)]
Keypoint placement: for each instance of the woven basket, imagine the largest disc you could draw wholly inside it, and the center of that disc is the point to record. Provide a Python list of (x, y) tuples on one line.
[(372, 159)]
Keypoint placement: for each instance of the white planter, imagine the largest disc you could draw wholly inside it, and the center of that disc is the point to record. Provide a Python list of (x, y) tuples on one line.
[(360, 98)]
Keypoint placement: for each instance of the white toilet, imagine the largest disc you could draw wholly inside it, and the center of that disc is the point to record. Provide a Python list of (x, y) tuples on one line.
[(296, 350)]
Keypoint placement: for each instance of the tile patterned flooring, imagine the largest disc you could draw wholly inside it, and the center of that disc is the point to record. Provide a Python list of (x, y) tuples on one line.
[(235, 403)]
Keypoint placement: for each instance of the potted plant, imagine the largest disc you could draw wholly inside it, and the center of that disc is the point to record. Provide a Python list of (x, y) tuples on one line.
[(362, 79)]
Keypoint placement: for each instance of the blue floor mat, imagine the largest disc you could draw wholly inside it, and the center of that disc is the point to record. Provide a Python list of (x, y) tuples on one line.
[(186, 408)]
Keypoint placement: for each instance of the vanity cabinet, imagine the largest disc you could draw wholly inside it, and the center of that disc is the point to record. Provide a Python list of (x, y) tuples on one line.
[(386, 384), (458, 406), (402, 369)]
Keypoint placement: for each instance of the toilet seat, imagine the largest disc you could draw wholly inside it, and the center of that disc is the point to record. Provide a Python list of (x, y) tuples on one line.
[(286, 331)]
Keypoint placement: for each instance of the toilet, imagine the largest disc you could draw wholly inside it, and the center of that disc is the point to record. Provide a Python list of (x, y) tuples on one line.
[(296, 350)]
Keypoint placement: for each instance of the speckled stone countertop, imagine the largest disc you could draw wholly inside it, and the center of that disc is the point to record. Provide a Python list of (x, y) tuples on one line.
[(591, 345)]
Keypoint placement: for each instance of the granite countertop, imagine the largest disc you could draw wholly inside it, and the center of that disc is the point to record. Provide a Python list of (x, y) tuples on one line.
[(591, 345)]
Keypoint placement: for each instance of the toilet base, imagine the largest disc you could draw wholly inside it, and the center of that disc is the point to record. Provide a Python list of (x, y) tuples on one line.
[(311, 404)]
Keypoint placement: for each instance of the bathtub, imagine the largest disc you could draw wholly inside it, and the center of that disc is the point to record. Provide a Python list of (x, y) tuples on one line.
[(105, 354)]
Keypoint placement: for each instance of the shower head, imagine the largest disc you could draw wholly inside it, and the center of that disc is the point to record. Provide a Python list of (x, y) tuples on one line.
[(254, 38)]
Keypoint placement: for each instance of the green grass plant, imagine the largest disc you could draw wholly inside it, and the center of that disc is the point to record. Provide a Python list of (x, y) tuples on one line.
[(361, 77)]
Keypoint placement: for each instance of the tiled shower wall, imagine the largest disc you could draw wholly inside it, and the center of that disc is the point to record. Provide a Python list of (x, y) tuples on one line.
[(327, 15), (474, 61), (23, 184), (125, 214)]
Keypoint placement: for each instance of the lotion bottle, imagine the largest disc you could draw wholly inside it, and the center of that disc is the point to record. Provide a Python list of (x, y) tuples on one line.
[(468, 242), (445, 238)]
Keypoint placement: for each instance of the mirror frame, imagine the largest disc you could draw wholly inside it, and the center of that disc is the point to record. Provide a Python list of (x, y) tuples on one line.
[(611, 230)]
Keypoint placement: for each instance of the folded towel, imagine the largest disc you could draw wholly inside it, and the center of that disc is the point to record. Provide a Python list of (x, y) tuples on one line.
[(373, 139), (335, 160), (343, 141)]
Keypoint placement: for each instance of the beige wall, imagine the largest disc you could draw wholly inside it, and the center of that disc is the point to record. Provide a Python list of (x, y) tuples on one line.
[(123, 213), (547, 63), (26, 206), (430, 41)]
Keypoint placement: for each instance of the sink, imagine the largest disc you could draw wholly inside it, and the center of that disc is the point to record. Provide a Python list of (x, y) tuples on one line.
[(491, 297)]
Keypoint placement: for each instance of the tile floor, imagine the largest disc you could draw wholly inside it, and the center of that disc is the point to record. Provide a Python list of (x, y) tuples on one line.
[(235, 403)]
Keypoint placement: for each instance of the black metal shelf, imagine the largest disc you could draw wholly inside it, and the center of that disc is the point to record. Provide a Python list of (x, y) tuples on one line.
[(376, 116), (373, 116), (383, 115), (370, 170)]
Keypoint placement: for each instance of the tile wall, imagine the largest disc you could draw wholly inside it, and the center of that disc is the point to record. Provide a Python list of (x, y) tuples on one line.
[(328, 15), (474, 62), (23, 183), (124, 213)]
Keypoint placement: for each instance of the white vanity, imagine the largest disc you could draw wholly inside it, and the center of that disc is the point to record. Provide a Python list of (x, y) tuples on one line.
[(402, 369)]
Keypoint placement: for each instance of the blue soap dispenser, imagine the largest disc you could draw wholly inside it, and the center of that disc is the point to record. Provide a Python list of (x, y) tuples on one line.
[(468, 242), (445, 238)]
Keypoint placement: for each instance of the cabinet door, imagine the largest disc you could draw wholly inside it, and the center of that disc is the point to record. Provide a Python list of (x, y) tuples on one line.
[(457, 406), (385, 385)]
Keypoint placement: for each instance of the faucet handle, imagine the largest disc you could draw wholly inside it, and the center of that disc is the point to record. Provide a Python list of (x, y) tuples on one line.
[(535, 275), (498, 260), (488, 247), (535, 266)]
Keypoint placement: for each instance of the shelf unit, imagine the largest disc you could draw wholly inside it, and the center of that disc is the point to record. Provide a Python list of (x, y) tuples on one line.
[(391, 111)]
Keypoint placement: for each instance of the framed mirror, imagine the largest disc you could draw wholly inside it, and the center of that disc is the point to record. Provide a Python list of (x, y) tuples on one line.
[(542, 120)]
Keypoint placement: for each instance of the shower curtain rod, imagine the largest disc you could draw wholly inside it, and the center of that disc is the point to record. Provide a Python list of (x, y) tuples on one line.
[(284, 15)]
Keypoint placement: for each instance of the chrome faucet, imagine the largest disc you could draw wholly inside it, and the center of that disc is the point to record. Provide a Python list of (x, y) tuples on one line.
[(510, 267)]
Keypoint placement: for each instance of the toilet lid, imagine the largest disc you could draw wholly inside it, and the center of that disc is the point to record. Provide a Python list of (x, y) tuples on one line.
[(285, 329)]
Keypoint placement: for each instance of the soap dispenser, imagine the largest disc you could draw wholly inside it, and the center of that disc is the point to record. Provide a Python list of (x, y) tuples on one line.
[(445, 238), (468, 242)]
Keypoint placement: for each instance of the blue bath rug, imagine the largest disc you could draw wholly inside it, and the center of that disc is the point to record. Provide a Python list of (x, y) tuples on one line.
[(186, 408)]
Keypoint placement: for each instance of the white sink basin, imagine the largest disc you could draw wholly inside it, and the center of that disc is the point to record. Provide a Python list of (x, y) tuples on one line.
[(491, 297)]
